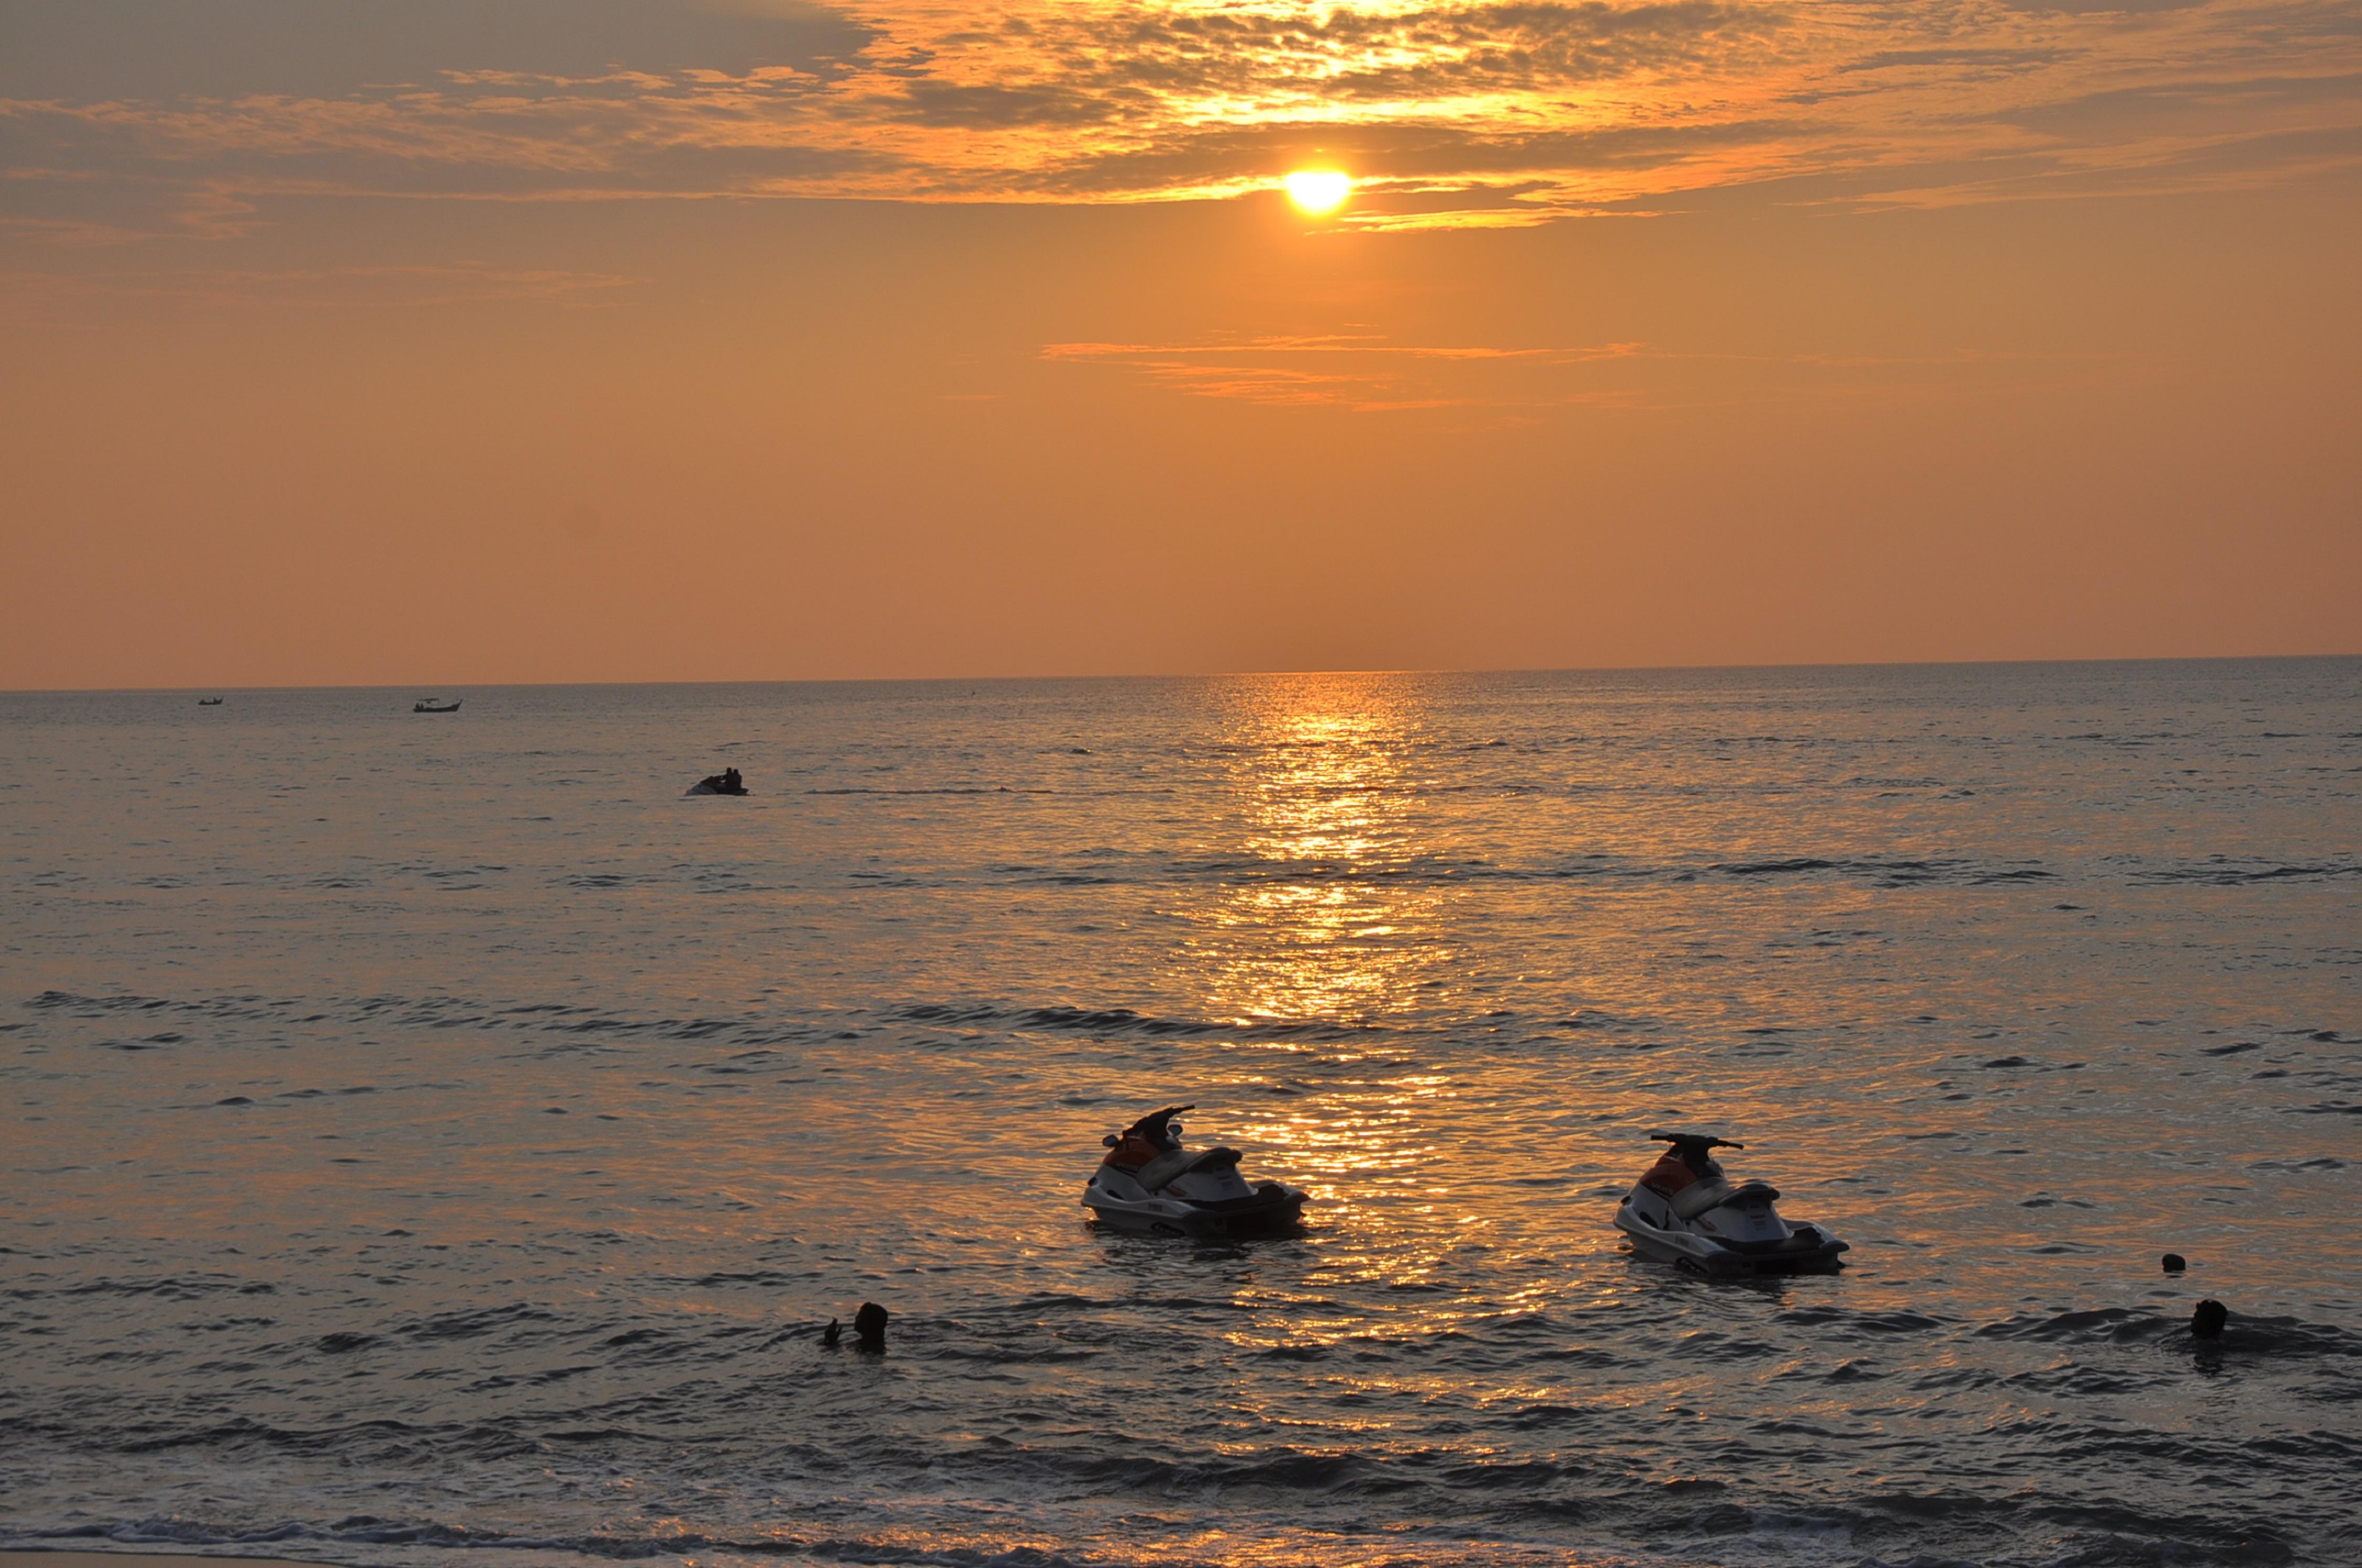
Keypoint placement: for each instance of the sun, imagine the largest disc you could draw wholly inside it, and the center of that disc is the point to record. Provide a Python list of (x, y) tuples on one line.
[(1319, 191)]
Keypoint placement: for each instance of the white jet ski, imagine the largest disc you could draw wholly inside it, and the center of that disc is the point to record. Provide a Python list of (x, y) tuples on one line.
[(1150, 1183), (1684, 1210)]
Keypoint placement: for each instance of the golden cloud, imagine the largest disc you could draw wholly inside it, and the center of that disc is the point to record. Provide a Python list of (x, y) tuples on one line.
[(1446, 114)]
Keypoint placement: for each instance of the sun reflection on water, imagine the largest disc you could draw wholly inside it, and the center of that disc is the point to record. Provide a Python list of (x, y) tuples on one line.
[(1332, 918), (1318, 921)]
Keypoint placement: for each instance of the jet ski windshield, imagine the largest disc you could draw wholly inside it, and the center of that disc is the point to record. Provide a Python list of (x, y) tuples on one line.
[(1155, 1129)]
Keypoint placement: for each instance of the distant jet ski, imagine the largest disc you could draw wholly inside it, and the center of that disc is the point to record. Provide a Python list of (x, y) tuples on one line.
[(1150, 1183), (428, 705), (1684, 1210), (726, 782)]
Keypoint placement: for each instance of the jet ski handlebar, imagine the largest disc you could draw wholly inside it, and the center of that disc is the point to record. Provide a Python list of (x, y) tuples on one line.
[(1694, 1140)]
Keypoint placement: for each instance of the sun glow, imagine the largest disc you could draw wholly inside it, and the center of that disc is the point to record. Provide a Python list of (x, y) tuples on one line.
[(1319, 190)]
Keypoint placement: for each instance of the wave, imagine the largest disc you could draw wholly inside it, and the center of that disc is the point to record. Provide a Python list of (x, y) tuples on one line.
[(1120, 1020), (2275, 1337), (2223, 872), (1424, 869), (745, 1044), (1888, 873), (939, 789), (370, 1530), (571, 1027)]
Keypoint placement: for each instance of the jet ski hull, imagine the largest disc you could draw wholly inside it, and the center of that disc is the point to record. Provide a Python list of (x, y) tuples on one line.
[(1271, 1211), (1808, 1250), (1154, 1218)]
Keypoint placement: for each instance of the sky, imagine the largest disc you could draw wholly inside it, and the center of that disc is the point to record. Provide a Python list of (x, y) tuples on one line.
[(447, 341)]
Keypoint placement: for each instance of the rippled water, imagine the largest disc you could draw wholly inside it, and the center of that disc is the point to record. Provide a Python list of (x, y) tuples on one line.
[(430, 1132)]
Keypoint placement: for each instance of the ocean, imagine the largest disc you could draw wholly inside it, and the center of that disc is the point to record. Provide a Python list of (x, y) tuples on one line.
[(437, 1139)]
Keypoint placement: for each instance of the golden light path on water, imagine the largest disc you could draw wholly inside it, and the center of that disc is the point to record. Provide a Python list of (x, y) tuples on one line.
[(1318, 923), (1328, 915)]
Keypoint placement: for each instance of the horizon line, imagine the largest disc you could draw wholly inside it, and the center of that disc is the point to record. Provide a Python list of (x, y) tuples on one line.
[(1194, 675)]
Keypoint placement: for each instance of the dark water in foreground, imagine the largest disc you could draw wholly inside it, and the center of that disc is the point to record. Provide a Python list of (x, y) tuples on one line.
[(435, 1133)]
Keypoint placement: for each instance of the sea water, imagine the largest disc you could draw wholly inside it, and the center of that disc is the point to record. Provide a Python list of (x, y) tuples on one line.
[(433, 1138)]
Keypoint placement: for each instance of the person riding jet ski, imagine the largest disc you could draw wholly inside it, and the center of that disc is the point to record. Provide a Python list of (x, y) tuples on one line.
[(1684, 1210), (1149, 1182)]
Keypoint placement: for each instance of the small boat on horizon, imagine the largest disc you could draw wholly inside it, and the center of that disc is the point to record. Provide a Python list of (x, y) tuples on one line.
[(209, 702), (428, 705)]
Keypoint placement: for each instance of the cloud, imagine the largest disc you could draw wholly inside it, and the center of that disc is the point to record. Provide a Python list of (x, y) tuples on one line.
[(987, 106), (1360, 373), (1368, 374), (339, 288), (87, 51), (1481, 114)]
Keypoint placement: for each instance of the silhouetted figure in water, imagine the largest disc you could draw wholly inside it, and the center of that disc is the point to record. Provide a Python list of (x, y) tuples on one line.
[(830, 1335), (2207, 1320), (731, 783), (869, 1324), (2175, 1262)]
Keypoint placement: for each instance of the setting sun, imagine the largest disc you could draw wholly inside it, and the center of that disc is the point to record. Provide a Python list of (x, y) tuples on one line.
[(1319, 190)]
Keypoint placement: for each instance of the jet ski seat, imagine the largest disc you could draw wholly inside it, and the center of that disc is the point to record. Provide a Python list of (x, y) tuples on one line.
[(1714, 1191), (1178, 1163)]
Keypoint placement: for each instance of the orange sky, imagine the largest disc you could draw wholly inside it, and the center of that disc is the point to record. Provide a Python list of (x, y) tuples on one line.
[(646, 339)]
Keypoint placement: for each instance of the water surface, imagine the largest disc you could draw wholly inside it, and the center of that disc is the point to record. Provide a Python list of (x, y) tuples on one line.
[(433, 1132)]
